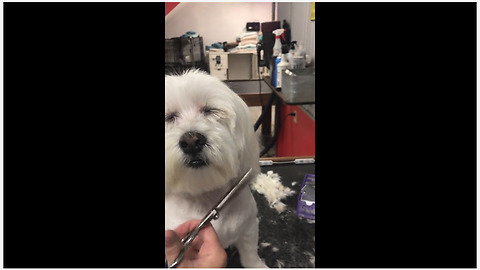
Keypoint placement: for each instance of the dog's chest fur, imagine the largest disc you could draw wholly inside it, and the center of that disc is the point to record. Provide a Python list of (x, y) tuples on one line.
[(238, 214)]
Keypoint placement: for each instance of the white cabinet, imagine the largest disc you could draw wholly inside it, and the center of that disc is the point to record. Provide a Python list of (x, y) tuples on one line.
[(218, 64), (233, 66)]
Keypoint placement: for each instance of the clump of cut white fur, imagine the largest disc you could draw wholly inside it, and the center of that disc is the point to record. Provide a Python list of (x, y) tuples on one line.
[(270, 186), (265, 244)]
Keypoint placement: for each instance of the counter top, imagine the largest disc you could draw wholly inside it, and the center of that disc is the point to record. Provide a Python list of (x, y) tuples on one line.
[(254, 92), (298, 99)]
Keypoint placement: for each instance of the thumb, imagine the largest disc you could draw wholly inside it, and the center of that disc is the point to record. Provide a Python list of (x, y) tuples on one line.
[(173, 245)]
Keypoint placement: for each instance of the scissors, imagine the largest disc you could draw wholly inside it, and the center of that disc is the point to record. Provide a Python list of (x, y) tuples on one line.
[(212, 215)]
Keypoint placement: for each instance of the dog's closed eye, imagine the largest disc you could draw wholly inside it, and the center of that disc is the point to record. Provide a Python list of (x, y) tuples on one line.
[(170, 117), (212, 111)]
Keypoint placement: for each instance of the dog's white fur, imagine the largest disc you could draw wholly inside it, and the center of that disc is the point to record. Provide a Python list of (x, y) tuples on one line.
[(198, 102)]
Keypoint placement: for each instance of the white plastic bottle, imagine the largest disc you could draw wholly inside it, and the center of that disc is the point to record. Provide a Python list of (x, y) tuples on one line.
[(300, 49), (291, 52), (283, 65)]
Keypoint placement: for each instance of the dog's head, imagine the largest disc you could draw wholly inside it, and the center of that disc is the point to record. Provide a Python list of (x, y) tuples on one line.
[(209, 136)]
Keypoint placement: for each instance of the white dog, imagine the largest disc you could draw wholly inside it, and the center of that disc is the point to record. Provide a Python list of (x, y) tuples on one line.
[(209, 140)]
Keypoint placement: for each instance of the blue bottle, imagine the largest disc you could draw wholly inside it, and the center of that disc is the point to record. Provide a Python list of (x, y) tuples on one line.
[(274, 71)]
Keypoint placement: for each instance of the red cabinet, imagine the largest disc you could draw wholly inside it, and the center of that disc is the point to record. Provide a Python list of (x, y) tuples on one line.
[(297, 133)]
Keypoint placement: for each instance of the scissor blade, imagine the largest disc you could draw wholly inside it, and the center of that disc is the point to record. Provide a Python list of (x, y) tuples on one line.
[(232, 191), (213, 214)]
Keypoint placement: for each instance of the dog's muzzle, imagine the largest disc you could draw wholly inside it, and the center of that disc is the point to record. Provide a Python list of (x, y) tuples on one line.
[(192, 144)]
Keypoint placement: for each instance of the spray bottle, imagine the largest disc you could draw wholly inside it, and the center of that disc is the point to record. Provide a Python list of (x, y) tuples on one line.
[(277, 47)]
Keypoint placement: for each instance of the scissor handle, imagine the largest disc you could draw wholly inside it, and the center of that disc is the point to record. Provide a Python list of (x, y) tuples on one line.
[(205, 220), (188, 239)]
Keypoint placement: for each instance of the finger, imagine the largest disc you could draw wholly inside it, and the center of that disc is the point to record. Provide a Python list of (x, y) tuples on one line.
[(208, 234), (207, 238), (210, 250), (186, 227), (173, 245)]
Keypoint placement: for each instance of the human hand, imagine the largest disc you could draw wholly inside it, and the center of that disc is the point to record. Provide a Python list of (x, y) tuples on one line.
[(204, 252)]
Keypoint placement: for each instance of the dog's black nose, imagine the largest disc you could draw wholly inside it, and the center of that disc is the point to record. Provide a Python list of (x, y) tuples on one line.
[(192, 142)]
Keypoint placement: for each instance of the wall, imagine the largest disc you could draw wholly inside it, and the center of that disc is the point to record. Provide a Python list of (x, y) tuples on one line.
[(215, 22)]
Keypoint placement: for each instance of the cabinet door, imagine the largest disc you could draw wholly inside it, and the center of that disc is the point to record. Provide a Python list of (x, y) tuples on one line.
[(220, 73), (297, 134)]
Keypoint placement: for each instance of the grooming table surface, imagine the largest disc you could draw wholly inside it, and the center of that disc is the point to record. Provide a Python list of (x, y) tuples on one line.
[(291, 238)]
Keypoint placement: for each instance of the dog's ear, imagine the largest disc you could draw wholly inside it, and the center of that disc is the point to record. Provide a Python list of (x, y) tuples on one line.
[(244, 125)]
